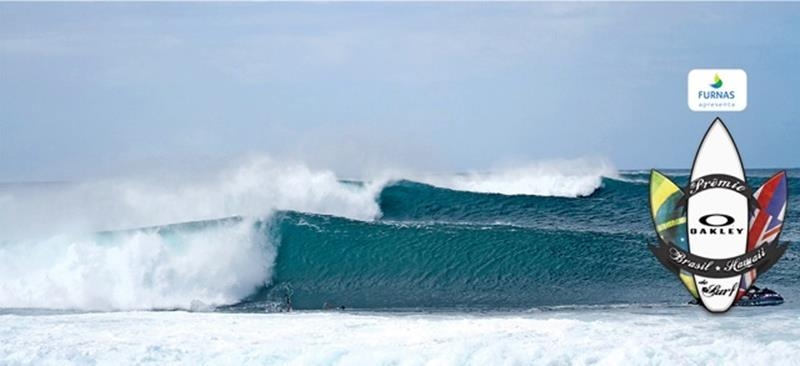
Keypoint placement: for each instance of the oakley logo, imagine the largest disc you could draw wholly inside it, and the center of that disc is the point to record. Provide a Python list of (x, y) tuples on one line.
[(717, 220)]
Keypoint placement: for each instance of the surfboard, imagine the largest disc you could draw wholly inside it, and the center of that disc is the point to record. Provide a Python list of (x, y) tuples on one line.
[(766, 220), (669, 219), (717, 218)]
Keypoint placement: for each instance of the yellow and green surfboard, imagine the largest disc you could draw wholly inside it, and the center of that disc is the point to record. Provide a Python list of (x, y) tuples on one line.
[(669, 218)]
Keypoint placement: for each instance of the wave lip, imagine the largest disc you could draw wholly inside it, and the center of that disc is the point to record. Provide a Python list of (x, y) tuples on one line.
[(255, 187), (559, 178)]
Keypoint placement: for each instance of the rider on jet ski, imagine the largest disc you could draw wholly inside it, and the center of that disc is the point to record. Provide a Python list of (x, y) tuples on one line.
[(756, 296)]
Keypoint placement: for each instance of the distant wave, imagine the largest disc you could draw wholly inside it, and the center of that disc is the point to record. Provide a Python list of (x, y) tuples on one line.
[(614, 202), (684, 173), (564, 178)]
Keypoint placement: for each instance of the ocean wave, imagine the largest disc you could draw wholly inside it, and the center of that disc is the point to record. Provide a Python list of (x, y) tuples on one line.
[(375, 244), (632, 179), (615, 202), (556, 178), (685, 173), (326, 261), (253, 187), (321, 261), (187, 266)]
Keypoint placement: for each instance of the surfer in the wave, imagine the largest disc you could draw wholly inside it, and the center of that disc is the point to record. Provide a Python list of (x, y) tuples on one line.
[(288, 302), (287, 298)]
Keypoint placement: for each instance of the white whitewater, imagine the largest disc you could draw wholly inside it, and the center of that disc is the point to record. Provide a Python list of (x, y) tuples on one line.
[(653, 336)]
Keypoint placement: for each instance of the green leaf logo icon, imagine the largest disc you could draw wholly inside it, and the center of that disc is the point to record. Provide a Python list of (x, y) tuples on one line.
[(717, 82)]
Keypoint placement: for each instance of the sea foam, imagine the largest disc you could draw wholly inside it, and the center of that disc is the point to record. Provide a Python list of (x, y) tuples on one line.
[(558, 178), (253, 187), (186, 267), (655, 336), (53, 256)]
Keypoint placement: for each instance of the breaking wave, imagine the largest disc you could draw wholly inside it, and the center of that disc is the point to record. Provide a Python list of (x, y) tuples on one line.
[(432, 242), (256, 187), (567, 178), (190, 266)]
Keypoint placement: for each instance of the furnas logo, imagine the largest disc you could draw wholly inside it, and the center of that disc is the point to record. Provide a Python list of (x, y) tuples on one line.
[(729, 95), (717, 82), (713, 94), (717, 235)]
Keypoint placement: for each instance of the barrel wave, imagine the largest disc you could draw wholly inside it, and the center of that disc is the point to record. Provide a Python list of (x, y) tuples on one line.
[(428, 247), (330, 262), (438, 248)]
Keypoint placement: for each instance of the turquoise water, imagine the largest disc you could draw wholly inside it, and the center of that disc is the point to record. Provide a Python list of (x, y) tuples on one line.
[(396, 245), (438, 248)]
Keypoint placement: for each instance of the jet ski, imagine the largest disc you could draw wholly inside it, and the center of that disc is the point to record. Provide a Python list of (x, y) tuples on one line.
[(760, 297), (756, 297)]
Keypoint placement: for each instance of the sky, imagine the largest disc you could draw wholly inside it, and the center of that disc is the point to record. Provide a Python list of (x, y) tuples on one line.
[(96, 89)]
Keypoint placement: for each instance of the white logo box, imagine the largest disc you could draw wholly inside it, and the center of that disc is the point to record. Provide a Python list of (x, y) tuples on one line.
[(730, 97)]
